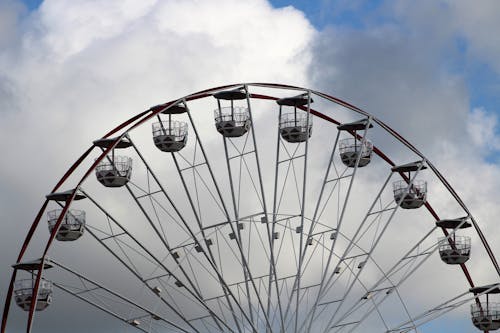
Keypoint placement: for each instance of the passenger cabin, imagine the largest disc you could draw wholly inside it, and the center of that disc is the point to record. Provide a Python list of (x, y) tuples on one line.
[(72, 225), (232, 121), (485, 314), (168, 135), (357, 149), (24, 288), (410, 194), (296, 126), (454, 250), (114, 171)]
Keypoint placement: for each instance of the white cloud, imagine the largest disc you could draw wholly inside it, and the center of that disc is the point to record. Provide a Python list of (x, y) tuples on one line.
[(483, 130), (398, 70), (477, 22), (85, 66), (76, 69), (67, 27), (446, 20)]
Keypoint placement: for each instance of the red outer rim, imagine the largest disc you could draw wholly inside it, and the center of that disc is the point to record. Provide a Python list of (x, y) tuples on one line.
[(142, 117)]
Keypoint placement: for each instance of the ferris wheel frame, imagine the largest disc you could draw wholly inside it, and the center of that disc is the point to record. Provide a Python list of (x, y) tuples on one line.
[(123, 129)]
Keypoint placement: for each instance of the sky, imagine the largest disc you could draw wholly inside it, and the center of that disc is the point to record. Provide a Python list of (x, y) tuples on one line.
[(72, 70)]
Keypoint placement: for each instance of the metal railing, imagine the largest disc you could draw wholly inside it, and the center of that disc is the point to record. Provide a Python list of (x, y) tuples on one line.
[(122, 164), (462, 244), (488, 310), (288, 120), (352, 145), (418, 188), (177, 129), (239, 115), (73, 217), (25, 287)]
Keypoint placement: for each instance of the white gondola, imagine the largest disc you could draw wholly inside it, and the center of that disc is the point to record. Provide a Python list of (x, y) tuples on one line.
[(358, 146), (23, 294), (350, 149), (170, 136), (485, 315), (456, 250), (414, 195), (115, 171), (23, 288), (410, 196), (232, 121), (296, 126), (72, 226)]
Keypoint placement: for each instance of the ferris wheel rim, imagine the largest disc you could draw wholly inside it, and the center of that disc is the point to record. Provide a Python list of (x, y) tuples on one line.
[(146, 115)]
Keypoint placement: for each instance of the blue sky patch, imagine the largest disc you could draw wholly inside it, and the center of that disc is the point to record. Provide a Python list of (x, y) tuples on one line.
[(32, 4)]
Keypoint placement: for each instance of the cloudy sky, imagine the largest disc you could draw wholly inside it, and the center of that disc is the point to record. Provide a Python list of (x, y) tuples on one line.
[(72, 70)]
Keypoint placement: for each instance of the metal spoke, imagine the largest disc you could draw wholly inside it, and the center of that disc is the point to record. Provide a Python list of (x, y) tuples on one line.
[(201, 249), (193, 292), (119, 297), (246, 269)]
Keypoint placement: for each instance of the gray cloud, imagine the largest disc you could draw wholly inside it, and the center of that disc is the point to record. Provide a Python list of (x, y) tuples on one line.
[(474, 22), (78, 69), (71, 71), (400, 71), (10, 17), (395, 76)]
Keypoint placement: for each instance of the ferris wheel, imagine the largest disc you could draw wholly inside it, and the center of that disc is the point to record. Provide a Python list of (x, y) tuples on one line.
[(294, 212)]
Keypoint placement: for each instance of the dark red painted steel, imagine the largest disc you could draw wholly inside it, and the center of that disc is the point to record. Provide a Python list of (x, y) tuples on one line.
[(60, 219), (30, 234), (72, 169), (385, 158), (125, 124), (438, 174), (202, 94), (56, 228), (8, 299), (389, 161)]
